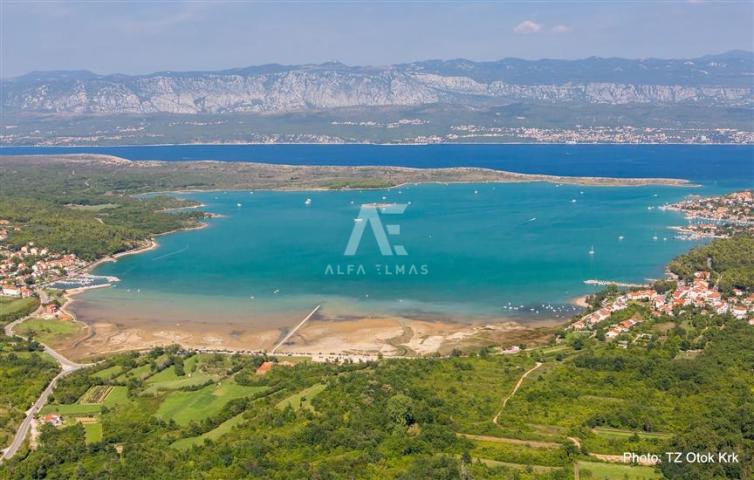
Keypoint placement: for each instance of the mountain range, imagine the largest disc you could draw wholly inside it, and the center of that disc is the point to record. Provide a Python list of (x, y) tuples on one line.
[(715, 80)]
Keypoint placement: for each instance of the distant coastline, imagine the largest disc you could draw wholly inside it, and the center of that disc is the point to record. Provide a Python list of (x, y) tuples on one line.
[(240, 175)]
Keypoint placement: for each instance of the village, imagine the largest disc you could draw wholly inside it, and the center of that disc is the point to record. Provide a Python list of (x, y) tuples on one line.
[(699, 294), (23, 271), (716, 217)]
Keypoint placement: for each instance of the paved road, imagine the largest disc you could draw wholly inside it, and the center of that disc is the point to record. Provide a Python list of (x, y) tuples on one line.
[(67, 367)]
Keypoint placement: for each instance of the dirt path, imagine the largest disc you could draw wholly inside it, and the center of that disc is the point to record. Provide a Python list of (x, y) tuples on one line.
[(515, 389)]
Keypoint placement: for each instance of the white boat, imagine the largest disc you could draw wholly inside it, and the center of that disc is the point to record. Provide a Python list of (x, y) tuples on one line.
[(238, 205), (591, 250), (573, 200), (308, 201), (620, 237), (358, 220)]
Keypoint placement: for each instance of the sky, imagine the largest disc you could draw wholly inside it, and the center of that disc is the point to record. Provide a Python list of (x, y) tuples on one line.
[(142, 37)]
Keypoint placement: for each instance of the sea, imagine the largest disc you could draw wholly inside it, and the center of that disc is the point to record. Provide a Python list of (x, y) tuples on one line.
[(458, 252)]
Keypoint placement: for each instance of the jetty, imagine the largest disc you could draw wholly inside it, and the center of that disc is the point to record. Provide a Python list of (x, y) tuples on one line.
[(605, 283), (293, 332)]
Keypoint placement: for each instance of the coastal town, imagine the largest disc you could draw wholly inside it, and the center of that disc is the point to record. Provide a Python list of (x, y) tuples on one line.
[(26, 270), (715, 217), (598, 134), (661, 301), (722, 216)]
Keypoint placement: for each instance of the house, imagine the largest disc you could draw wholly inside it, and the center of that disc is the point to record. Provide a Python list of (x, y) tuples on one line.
[(53, 419), (11, 291), (579, 325), (51, 308), (748, 301), (612, 333), (641, 294), (738, 311), (264, 368), (626, 324), (619, 304)]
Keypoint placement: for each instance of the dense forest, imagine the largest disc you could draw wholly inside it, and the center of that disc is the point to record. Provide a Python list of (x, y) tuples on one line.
[(731, 262)]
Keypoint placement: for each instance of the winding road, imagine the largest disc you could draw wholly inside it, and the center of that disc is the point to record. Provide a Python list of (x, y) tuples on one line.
[(67, 367)]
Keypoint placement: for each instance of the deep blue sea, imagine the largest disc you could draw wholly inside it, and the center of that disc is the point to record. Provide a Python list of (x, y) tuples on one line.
[(725, 166), (489, 250)]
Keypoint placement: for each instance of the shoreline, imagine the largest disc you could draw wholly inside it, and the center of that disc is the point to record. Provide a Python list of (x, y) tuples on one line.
[(322, 337)]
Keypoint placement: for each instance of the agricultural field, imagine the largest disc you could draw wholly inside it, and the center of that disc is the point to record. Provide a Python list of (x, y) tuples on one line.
[(195, 406), (108, 373), (118, 396)]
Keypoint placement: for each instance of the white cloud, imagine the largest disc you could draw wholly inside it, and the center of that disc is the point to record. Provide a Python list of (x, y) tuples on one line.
[(528, 26), (562, 29)]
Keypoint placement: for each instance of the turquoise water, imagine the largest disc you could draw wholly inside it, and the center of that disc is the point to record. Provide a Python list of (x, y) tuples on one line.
[(473, 252)]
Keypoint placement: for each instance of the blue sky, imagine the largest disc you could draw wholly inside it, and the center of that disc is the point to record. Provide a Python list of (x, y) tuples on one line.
[(143, 37)]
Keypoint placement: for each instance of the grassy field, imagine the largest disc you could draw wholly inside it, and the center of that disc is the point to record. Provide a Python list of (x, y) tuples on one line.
[(48, 330), (117, 396), (213, 434), (74, 409), (613, 471), (141, 373), (12, 308), (185, 407), (302, 399), (93, 432), (108, 373), (168, 380)]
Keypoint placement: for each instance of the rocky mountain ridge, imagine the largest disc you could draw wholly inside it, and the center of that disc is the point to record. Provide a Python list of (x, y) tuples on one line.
[(722, 80)]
